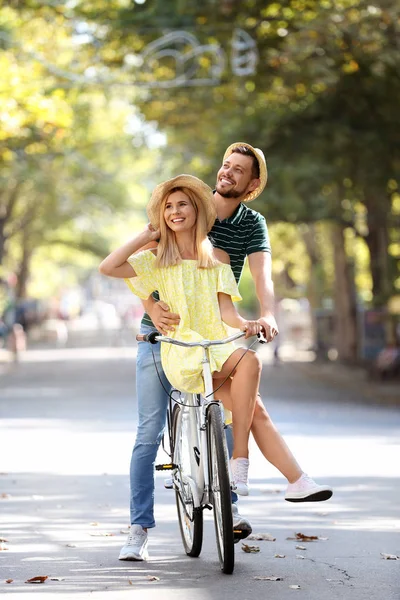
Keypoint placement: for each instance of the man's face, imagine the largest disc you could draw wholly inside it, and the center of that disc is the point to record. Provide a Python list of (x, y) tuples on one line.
[(235, 179)]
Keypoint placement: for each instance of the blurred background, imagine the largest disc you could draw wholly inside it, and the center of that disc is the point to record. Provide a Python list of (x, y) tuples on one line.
[(101, 100)]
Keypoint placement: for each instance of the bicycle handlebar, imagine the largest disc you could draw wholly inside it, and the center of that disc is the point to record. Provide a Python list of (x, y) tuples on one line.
[(154, 337)]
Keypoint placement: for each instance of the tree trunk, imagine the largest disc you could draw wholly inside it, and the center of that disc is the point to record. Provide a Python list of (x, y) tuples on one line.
[(377, 240), (23, 272), (315, 285), (2, 241), (344, 298)]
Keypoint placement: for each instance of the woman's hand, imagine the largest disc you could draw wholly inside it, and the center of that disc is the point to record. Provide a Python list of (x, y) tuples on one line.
[(251, 328), (152, 234)]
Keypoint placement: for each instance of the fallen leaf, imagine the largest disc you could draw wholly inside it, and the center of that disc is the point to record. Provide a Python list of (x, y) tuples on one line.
[(70, 545), (102, 534), (248, 549), (390, 556), (280, 556), (38, 579), (300, 556), (94, 523), (305, 538), (130, 582), (261, 536), (300, 547), (2, 540), (124, 532), (153, 578), (57, 578), (294, 587), (9, 580), (3, 547), (268, 578), (5, 496)]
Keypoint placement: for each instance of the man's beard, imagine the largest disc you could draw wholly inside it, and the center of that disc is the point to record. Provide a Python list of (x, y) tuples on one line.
[(230, 193)]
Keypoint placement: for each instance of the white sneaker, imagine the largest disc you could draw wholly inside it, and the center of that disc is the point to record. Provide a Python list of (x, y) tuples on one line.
[(169, 483), (241, 526), (306, 490), (240, 480), (136, 545)]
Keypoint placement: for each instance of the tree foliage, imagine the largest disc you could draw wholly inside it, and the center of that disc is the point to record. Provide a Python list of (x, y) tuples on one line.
[(322, 103)]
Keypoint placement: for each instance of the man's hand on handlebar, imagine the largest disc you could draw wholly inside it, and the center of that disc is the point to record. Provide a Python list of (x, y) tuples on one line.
[(252, 328), (164, 320), (269, 326)]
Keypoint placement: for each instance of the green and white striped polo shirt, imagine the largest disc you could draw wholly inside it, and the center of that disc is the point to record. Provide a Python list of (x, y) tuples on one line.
[(244, 233)]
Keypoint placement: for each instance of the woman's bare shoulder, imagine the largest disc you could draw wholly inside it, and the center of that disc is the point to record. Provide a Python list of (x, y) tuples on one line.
[(152, 246), (222, 256)]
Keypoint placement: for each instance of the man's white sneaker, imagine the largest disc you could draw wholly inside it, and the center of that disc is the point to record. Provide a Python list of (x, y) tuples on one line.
[(136, 545), (241, 526), (306, 490), (240, 470)]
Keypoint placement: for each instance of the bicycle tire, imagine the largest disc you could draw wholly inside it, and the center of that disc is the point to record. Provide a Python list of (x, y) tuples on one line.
[(220, 489), (190, 518)]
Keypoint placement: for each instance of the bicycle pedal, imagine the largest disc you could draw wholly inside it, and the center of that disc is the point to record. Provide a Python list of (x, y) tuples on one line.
[(166, 467)]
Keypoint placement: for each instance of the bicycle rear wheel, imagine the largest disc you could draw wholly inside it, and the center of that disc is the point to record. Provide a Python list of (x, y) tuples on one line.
[(190, 517), (220, 489)]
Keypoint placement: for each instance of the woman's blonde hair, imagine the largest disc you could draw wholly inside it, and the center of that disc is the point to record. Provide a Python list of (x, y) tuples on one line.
[(168, 252)]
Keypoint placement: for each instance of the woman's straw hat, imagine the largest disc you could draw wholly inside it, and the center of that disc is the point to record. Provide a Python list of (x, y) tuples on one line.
[(198, 187), (262, 166)]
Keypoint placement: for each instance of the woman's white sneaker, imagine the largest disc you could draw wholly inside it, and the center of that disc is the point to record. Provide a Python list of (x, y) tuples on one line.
[(136, 545), (240, 478), (306, 490)]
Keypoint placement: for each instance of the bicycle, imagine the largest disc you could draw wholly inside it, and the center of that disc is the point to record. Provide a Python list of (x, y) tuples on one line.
[(199, 459)]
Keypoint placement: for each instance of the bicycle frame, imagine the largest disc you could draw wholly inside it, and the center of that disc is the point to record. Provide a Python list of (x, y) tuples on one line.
[(197, 414)]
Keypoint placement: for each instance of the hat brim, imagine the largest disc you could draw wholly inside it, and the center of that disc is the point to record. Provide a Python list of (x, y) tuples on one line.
[(262, 166), (201, 189)]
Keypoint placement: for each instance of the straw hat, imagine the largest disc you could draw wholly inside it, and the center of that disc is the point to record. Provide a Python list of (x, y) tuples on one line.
[(262, 165), (201, 189)]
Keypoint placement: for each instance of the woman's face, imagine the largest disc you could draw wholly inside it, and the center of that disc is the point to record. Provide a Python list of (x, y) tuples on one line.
[(179, 212)]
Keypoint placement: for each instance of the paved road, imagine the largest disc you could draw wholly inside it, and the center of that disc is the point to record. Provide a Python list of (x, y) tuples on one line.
[(67, 428)]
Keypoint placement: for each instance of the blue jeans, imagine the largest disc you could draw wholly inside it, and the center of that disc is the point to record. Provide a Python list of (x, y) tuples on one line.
[(152, 411)]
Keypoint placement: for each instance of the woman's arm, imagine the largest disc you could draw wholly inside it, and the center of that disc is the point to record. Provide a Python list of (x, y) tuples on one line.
[(231, 317), (116, 264)]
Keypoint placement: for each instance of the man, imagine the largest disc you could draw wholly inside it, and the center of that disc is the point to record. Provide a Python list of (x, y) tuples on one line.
[(242, 233)]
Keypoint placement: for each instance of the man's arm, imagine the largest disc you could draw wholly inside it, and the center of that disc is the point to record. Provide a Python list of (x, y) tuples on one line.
[(260, 268)]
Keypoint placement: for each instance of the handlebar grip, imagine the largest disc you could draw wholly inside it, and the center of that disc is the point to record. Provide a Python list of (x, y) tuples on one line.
[(148, 337), (261, 337)]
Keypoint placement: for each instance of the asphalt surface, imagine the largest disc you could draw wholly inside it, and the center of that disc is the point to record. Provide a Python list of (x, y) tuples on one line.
[(67, 427)]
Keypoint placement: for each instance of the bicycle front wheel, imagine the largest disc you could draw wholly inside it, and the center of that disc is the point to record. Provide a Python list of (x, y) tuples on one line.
[(190, 517), (220, 489)]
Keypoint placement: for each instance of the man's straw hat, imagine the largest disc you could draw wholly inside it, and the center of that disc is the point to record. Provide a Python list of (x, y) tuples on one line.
[(198, 187), (262, 165)]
